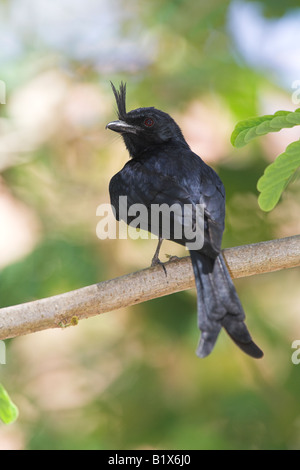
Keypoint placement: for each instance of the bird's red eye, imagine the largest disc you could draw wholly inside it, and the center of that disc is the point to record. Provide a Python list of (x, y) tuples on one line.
[(149, 122)]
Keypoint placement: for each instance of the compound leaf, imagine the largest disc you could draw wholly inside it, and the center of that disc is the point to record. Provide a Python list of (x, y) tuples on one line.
[(247, 130), (8, 410), (277, 175)]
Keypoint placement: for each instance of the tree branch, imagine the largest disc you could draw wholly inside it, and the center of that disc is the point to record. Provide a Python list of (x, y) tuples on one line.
[(66, 309)]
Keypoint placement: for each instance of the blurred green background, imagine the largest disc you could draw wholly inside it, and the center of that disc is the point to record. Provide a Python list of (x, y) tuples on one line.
[(130, 379)]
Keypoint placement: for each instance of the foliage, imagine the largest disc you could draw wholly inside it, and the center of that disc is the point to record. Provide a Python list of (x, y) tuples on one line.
[(278, 174), (8, 410)]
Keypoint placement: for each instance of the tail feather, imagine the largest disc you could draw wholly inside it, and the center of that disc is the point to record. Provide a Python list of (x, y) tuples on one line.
[(219, 306)]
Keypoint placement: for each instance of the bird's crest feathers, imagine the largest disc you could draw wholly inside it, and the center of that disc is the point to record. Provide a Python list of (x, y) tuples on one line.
[(120, 96)]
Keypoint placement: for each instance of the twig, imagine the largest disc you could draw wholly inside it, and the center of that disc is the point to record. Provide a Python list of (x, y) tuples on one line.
[(67, 309)]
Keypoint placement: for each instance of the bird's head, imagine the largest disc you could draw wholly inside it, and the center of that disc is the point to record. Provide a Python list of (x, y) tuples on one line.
[(143, 127)]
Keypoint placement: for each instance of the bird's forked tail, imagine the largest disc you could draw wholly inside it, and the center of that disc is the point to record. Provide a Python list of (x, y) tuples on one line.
[(219, 306)]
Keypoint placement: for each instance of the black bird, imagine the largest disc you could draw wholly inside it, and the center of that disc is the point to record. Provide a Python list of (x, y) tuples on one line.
[(164, 170)]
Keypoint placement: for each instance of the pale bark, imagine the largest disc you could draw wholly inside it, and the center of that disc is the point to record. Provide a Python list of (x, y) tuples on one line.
[(67, 309)]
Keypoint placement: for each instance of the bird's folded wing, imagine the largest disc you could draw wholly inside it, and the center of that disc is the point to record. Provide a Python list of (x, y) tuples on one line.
[(149, 188)]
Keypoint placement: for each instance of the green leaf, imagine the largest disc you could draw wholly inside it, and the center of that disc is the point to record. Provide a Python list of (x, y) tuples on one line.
[(247, 130), (294, 118), (277, 176), (242, 127), (8, 410)]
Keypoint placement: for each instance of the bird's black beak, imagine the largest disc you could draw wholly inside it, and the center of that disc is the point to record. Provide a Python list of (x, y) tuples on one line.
[(122, 127)]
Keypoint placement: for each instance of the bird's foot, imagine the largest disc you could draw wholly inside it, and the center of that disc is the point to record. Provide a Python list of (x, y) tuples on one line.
[(156, 261)]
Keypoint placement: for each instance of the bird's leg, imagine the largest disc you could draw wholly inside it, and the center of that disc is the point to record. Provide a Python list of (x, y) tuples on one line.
[(155, 259)]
